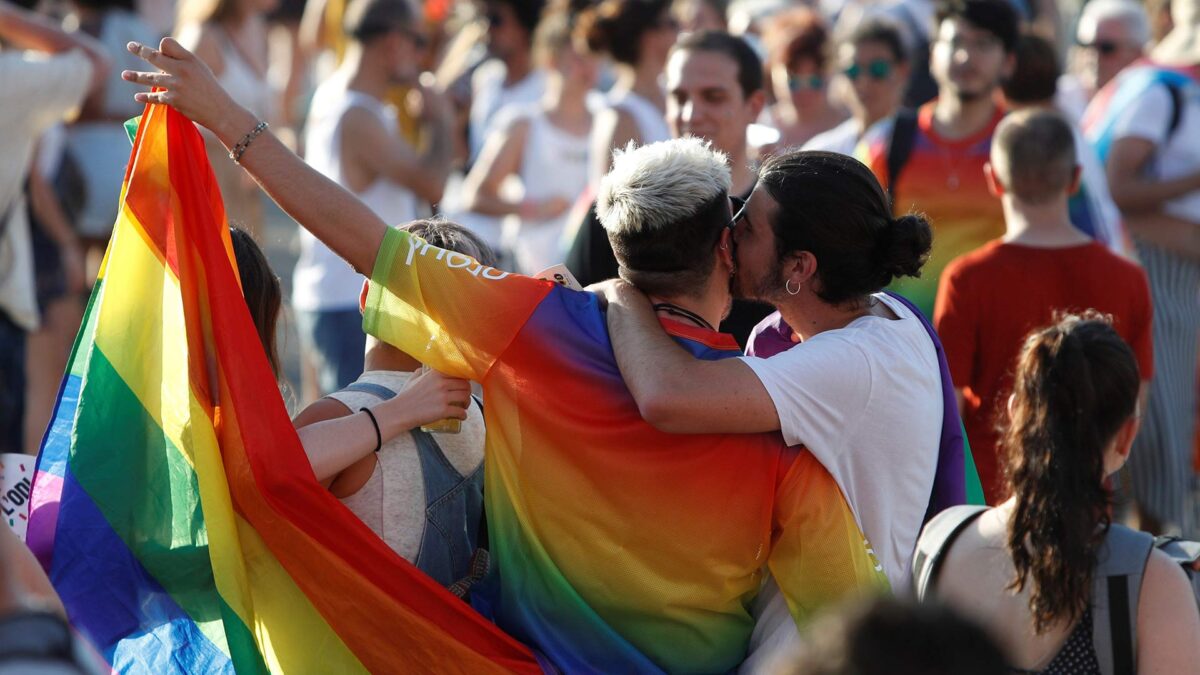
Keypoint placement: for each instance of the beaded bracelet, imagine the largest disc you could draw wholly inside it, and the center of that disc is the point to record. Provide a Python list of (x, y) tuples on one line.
[(240, 149)]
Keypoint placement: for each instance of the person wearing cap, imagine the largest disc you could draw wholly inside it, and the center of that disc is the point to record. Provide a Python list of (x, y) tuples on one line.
[(1148, 131)]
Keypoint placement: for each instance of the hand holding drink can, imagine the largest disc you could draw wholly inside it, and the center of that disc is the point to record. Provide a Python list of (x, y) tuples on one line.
[(448, 425)]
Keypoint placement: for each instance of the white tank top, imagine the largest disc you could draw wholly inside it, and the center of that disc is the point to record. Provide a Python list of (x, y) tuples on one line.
[(554, 163), (651, 122), (392, 501), (322, 280), (241, 81)]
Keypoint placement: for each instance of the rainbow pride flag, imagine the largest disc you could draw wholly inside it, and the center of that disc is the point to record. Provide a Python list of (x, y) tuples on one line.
[(174, 507)]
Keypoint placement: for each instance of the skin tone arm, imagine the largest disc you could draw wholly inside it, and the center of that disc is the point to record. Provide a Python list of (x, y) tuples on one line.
[(499, 159), (1167, 231), (332, 214), (676, 392), (1168, 628), (23, 584), (334, 445), (1131, 190), (21, 29), (369, 145)]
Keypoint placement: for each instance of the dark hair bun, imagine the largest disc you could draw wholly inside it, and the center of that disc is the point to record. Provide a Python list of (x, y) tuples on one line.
[(904, 248)]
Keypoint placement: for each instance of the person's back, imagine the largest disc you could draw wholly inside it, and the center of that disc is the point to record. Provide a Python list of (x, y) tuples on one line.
[(619, 548), (991, 298), (1027, 569)]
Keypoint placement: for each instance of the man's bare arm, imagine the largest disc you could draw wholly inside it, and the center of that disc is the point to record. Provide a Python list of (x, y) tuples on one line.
[(423, 172), (674, 391)]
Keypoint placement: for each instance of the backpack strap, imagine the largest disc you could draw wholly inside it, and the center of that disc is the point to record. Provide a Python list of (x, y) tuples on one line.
[(1176, 107), (1116, 585), (937, 538), (904, 133)]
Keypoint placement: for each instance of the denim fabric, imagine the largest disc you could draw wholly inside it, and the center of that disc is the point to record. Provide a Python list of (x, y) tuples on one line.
[(336, 341), (454, 504)]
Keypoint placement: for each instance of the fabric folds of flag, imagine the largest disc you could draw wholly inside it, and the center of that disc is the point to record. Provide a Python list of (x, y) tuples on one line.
[(174, 507)]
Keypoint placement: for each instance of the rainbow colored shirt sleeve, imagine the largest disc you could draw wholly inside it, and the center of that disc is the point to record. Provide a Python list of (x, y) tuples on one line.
[(174, 506), (619, 548)]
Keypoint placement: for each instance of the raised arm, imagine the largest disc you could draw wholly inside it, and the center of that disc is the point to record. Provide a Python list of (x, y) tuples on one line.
[(322, 207), (675, 391)]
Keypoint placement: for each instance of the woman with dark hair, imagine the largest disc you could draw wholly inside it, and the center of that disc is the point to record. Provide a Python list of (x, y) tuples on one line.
[(797, 70), (857, 375), (260, 288), (637, 36), (1026, 568)]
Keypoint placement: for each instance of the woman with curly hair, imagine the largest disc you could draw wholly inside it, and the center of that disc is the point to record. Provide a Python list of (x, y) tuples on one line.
[(1026, 568)]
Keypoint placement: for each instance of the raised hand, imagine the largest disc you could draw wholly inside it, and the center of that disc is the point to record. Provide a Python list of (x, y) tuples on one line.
[(185, 83)]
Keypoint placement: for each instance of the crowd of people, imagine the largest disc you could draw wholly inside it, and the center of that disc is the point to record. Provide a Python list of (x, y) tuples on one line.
[(841, 258)]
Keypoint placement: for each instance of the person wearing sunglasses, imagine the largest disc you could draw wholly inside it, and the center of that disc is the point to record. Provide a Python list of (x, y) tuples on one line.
[(353, 138), (875, 62), (797, 42), (1112, 34)]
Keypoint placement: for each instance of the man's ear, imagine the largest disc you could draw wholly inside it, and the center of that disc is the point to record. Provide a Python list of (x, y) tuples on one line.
[(725, 249)]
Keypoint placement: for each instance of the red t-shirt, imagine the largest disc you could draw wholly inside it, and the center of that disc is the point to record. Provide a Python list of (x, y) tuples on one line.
[(990, 299)]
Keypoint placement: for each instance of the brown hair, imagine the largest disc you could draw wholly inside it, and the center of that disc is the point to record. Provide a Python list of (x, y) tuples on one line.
[(1076, 384), (451, 236), (260, 288), (615, 27), (795, 35), (1033, 154)]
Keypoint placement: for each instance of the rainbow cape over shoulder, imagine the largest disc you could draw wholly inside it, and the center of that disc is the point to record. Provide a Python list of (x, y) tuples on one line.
[(174, 507)]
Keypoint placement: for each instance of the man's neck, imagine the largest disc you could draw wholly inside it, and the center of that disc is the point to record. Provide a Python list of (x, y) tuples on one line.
[(711, 306), (382, 356), (517, 67), (1040, 225), (364, 75), (955, 118), (809, 316)]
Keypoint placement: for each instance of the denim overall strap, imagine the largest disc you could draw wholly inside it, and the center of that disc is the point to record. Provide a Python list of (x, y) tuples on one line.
[(453, 506)]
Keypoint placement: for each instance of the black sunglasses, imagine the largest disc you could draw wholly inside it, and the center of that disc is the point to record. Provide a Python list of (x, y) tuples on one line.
[(739, 206)]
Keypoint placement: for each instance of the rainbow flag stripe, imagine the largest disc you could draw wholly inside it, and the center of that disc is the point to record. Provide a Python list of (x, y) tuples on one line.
[(173, 505)]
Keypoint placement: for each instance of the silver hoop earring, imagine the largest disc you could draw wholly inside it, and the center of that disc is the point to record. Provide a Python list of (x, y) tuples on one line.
[(787, 286)]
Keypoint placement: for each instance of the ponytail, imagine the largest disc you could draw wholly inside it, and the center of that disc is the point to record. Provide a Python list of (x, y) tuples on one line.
[(1076, 385)]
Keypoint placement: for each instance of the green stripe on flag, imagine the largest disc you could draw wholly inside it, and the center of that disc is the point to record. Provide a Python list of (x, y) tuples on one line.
[(150, 496)]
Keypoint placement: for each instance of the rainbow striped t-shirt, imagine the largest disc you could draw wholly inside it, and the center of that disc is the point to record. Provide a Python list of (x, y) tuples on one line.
[(944, 180), (619, 548)]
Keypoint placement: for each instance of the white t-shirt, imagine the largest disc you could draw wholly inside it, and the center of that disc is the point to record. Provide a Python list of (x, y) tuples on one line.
[(39, 91), (1150, 118), (867, 401)]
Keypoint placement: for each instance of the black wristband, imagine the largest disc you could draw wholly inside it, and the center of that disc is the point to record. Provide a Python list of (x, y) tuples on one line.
[(374, 423)]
